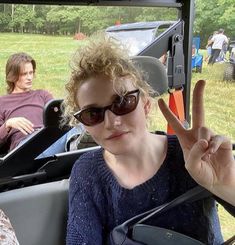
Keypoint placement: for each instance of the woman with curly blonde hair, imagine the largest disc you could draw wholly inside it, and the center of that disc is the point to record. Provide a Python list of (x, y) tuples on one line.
[(136, 170)]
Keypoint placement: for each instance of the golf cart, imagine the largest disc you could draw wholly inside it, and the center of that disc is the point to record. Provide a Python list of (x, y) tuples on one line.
[(34, 195), (20, 168), (36, 200)]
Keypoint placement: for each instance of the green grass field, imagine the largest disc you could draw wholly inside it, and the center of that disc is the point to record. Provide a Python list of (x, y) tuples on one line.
[(53, 53)]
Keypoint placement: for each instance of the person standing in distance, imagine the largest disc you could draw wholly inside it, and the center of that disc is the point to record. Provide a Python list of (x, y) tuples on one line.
[(217, 42)]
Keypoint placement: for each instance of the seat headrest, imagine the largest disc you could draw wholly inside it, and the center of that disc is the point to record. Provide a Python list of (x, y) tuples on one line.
[(154, 72), (52, 113)]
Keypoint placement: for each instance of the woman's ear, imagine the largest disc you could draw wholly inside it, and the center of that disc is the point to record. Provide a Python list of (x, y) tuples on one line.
[(147, 106)]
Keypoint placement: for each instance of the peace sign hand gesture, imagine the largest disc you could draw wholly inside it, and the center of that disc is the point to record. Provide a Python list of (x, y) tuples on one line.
[(208, 157)]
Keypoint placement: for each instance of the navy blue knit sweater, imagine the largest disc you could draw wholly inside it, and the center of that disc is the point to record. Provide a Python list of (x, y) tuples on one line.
[(97, 203)]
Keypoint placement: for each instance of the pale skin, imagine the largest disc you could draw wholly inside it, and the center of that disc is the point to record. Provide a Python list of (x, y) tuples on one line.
[(23, 84), (208, 157), (136, 154)]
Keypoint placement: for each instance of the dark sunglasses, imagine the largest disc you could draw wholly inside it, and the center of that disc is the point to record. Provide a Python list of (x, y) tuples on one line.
[(120, 106)]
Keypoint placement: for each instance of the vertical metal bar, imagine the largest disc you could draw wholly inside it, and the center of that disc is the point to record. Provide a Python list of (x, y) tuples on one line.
[(187, 15)]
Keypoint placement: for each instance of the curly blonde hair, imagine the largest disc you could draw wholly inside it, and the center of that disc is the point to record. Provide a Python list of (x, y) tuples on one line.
[(102, 55)]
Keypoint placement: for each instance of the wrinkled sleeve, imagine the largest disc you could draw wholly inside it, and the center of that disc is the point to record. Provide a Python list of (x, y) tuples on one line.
[(84, 224)]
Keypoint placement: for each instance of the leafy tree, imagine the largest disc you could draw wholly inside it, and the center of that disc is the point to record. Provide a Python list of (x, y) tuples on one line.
[(227, 20), (153, 14), (212, 15), (5, 18), (22, 18), (40, 21)]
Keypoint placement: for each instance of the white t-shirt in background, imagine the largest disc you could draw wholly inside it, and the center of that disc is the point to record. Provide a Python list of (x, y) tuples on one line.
[(218, 41)]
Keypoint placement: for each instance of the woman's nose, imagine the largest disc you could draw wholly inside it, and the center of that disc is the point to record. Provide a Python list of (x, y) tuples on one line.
[(111, 119)]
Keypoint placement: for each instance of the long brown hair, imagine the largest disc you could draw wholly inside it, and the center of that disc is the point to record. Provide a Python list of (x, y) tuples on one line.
[(14, 66)]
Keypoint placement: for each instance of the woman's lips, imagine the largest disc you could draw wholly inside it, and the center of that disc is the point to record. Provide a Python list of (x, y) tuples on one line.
[(116, 135)]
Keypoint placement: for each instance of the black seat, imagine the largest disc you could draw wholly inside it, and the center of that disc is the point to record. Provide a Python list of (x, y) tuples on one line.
[(4, 148), (21, 159)]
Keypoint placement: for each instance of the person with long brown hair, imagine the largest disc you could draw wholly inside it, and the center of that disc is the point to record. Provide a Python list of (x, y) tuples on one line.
[(21, 111)]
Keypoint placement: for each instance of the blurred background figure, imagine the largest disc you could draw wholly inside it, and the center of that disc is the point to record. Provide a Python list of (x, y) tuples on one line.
[(217, 42), (209, 46)]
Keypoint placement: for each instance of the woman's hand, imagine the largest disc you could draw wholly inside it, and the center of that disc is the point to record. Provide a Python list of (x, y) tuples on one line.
[(208, 157), (20, 123)]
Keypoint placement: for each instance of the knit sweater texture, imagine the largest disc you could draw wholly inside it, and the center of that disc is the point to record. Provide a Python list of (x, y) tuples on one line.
[(97, 203), (28, 104)]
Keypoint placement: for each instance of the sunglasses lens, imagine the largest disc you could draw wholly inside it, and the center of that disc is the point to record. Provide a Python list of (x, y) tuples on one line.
[(121, 105), (125, 105), (91, 116)]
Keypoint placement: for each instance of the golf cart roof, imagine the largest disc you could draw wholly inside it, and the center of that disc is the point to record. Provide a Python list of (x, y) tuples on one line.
[(140, 26)]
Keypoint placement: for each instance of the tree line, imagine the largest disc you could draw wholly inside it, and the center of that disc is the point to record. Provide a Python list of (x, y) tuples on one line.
[(210, 15), (67, 20)]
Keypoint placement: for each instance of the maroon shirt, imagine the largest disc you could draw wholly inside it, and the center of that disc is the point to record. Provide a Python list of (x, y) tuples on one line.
[(27, 104)]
